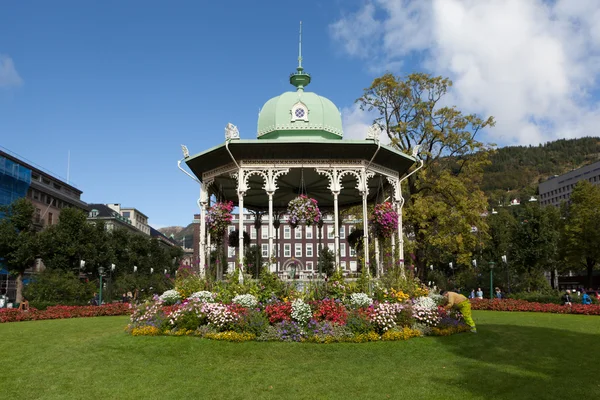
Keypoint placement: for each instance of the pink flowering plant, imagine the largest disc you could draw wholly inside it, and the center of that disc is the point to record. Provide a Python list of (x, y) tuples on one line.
[(303, 210), (218, 218), (384, 220)]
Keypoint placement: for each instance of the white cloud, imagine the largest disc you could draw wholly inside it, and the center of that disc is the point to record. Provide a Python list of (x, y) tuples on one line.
[(8, 74), (532, 65)]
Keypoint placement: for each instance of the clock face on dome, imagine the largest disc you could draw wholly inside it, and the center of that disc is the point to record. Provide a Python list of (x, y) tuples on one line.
[(299, 112)]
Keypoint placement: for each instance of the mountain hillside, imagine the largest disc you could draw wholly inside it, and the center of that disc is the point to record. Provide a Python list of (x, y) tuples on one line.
[(180, 232), (516, 171)]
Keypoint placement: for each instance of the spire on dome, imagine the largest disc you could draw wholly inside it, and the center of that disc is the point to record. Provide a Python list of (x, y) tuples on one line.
[(300, 79)]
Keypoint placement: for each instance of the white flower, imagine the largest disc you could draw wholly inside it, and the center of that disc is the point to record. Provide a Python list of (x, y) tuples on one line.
[(245, 300), (301, 311), (203, 296), (360, 300), (170, 296)]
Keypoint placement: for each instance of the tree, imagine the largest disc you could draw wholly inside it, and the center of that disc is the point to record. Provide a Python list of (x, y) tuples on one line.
[(18, 239), (582, 229), (534, 248), (443, 201), (326, 262)]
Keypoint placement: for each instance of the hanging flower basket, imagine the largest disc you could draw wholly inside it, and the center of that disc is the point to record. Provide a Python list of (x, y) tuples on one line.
[(384, 220), (218, 218), (303, 210)]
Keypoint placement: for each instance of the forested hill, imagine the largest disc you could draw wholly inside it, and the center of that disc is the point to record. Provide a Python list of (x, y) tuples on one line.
[(519, 169)]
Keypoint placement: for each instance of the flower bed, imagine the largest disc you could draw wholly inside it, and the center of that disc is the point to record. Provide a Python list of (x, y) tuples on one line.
[(60, 312), (522, 305), (358, 319)]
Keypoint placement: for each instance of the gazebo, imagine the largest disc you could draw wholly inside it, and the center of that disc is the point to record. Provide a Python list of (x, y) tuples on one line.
[(299, 149)]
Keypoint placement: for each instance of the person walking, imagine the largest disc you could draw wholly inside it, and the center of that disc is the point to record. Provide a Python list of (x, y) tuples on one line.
[(462, 304)]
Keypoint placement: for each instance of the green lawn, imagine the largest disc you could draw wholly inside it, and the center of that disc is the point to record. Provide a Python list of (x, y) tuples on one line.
[(514, 356)]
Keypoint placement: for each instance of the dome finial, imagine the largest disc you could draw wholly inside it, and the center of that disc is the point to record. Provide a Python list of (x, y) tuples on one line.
[(300, 79), (300, 49)]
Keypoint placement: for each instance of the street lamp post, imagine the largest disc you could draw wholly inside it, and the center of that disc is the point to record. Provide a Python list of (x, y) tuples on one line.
[(100, 272), (505, 261), (492, 264)]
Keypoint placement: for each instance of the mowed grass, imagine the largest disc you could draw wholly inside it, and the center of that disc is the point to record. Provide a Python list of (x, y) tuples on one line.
[(514, 356)]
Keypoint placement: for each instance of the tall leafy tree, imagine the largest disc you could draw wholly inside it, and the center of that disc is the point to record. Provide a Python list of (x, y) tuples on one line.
[(582, 228), (18, 239), (443, 201), (534, 246)]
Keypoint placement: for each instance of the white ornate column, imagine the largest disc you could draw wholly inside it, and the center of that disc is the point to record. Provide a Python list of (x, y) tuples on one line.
[(334, 176), (399, 202), (241, 191), (271, 187), (336, 229), (363, 188), (377, 256), (203, 207)]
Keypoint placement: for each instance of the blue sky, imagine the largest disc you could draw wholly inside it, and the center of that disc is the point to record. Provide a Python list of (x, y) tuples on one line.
[(122, 84)]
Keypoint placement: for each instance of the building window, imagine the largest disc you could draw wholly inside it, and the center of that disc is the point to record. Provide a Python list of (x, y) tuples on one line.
[(309, 232), (287, 250), (265, 249), (127, 214), (352, 251), (343, 265), (50, 219), (287, 232), (230, 229), (342, 249), (264, 232), (298, 232), (252, 232), (309, 249), (231, 266), (342, 232), (309, 265), (298, 250), (352, 265), (330, 232), (230, 251), (331, 247)]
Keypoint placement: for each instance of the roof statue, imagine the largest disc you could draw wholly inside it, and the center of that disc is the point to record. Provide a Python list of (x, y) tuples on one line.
[(231, 132), (186, 152), (374, 132)]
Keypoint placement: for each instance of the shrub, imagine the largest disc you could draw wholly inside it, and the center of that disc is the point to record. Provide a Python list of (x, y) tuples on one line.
[(301, 311), (400, 334), (359, 300), (245, 300), (53, 287), (279, 312), (231, 336), (255, 322), (427, 316), (330, 310), (203, 296), (358, 322), (327, 332), (170, 297), (285, 331), (383, 315)]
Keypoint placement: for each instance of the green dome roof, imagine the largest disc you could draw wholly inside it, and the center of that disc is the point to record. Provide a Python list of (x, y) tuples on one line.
[(299, 114)]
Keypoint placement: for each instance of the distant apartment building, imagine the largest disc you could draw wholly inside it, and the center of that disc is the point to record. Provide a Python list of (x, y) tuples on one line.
[(112, 219), (558, 188), (137, 218), (300, 247), (48, 194)]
